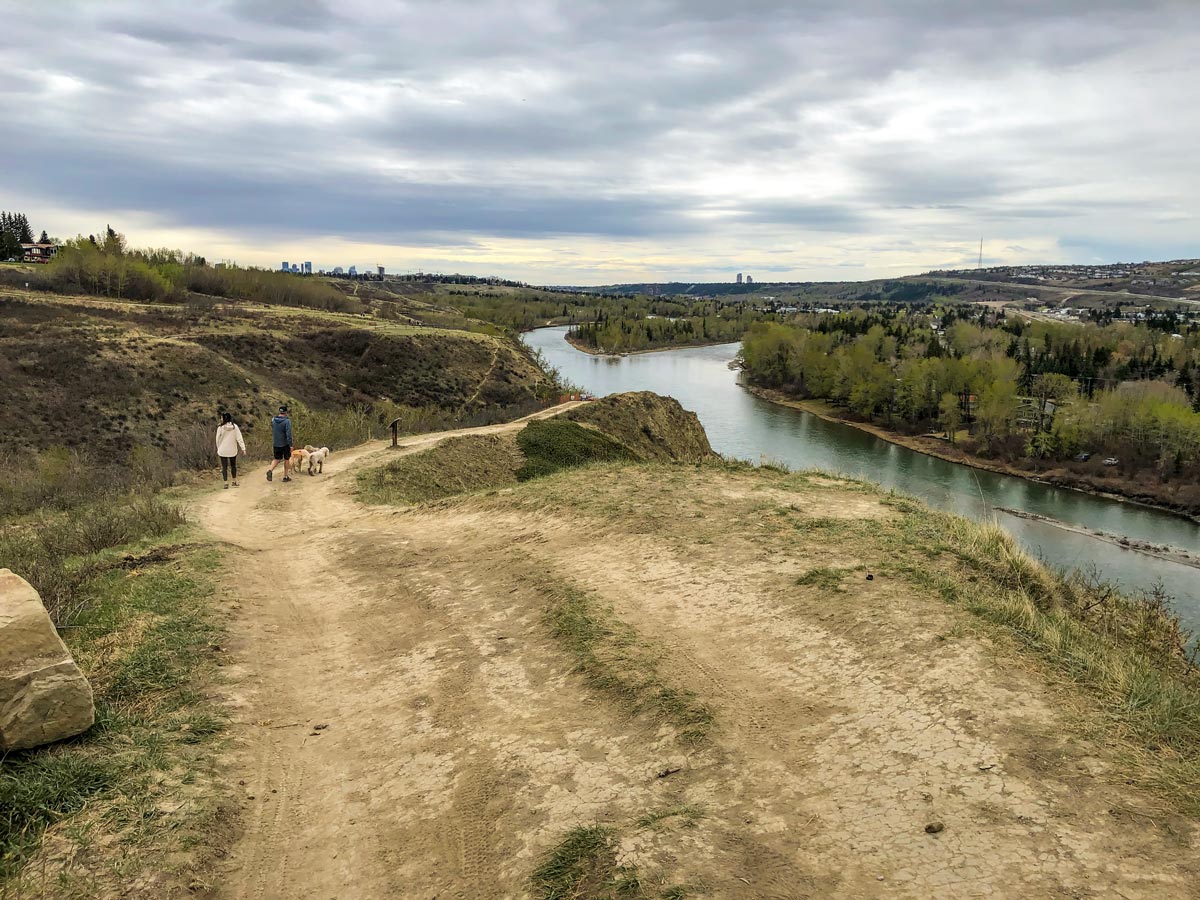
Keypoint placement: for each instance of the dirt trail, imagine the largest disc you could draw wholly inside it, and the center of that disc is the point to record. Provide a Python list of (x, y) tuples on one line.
[(308, 658), (460, 745)]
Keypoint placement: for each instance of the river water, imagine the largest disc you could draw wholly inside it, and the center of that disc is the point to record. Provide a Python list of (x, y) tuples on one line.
[(741, 425)]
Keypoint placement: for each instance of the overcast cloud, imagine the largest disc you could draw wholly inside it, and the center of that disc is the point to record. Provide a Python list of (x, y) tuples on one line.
[(589, 142)]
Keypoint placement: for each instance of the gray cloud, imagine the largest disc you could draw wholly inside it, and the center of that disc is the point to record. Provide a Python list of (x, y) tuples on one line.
[(430, 122)]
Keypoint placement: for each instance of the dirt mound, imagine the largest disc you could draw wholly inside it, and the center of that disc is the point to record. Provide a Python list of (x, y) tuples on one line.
[(640, 426), (653, 427)]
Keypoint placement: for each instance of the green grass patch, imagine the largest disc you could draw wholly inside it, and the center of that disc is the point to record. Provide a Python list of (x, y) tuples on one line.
[(687, 816), (609, 654), (827, 578), (145, 640), (583, 866), (550, 445), (455, 466)]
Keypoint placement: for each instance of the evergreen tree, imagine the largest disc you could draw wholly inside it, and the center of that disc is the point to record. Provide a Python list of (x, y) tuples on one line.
[(11, 235)]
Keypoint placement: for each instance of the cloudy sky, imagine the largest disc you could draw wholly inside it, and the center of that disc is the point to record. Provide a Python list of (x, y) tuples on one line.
[(571, 141)]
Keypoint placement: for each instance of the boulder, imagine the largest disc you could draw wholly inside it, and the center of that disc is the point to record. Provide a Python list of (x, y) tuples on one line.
[(43, 695)]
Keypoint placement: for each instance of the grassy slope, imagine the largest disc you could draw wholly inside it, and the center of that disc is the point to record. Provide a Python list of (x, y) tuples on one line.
[(483, 308), (84, 372)]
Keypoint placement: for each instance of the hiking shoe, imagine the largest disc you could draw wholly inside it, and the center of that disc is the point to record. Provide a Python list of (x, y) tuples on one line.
[(235, 484), (270, 475), (226, 486), (286, 478)]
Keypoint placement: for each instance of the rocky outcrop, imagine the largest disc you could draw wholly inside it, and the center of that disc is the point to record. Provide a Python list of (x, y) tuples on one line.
[(43, 695)]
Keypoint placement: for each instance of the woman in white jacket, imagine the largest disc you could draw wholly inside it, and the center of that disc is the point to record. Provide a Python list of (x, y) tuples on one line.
[(229, 442)]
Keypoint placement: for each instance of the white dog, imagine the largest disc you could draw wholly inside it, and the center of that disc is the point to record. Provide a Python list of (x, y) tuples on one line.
[(317, 459)]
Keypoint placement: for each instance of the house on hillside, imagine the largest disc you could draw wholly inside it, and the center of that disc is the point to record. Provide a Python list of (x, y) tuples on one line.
[(38, 253)]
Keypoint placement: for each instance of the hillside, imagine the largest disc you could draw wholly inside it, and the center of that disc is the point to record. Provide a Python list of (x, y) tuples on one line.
[(106, 375)]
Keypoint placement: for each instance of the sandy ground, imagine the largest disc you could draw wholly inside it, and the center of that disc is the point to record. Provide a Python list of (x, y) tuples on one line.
[(409, 728)]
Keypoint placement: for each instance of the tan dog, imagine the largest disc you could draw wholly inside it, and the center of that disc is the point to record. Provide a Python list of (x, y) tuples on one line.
[(317, 459), (299, 458)]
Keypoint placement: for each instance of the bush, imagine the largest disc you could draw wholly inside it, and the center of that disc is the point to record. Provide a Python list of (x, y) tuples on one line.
[(62, 479)]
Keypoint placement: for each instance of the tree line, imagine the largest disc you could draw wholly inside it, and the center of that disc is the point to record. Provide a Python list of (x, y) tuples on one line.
[(1020, 389), (647, 323), (105, 266)]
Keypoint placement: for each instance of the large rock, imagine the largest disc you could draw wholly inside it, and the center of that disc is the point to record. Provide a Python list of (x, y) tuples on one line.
[(43, 695)]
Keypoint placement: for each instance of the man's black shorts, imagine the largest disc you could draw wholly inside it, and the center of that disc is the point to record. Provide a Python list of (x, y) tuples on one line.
[(283, 452)]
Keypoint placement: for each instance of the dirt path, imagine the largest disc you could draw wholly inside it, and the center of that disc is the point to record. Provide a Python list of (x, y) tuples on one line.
[(484, 380), (459, 744), (313, 826)]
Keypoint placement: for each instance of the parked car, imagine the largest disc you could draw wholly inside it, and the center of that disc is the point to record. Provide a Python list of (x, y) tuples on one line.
[(1111, 461), (1082, 457)]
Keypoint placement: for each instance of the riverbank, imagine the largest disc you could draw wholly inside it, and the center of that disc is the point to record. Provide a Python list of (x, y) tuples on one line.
[(938, 447), (593, 351)]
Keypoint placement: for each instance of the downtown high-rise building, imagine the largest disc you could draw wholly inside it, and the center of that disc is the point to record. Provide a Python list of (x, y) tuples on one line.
[(283, 267), (739, 280), (308, 268), (749, 279)]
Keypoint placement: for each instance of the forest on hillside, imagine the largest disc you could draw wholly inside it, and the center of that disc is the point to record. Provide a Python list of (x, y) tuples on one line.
[(1021, 389)]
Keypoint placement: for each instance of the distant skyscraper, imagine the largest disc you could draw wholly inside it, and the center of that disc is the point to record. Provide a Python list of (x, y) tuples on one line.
[(749, 279), (380, 268), (283, 267), (337, 270), (739, 281), (308, 268), (353, 270), (296, 270)]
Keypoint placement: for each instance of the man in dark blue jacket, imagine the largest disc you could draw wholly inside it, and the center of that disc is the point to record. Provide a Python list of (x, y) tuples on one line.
[(281, 438)]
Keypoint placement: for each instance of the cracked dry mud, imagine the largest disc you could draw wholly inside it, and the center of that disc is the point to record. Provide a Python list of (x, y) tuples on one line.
[(461, 745)]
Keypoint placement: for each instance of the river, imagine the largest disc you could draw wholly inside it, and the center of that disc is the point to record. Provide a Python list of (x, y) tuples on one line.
[(744, 426)]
